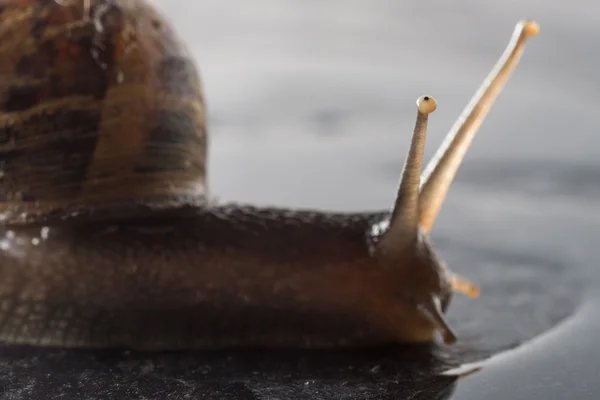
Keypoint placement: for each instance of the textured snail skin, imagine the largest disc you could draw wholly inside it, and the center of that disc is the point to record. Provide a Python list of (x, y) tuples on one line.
[(212, 277), (108, 239)]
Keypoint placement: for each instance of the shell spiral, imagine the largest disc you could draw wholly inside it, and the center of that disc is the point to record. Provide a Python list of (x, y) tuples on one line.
[(100, 107)]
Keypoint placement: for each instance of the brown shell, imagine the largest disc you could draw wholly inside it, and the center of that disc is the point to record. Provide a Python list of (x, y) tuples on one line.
[(100, 105)]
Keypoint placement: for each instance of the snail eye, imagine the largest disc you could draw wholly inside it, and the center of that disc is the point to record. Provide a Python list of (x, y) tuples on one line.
[(426, 104)]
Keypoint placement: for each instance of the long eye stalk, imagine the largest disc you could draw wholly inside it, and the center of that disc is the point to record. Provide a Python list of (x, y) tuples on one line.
[(420, 197), (404, 221), (440, 171)]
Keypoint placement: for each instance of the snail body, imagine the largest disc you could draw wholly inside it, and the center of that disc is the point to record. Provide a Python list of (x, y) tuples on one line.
[(249, 277), (109, 237)]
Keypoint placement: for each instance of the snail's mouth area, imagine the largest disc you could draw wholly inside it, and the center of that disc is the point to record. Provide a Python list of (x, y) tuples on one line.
[(431, 309)]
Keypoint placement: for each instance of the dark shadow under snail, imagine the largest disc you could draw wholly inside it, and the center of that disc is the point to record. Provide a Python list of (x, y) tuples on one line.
[(109, 237)]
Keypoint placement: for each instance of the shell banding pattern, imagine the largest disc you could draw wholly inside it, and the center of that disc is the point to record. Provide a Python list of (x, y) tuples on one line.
[(99, 102)]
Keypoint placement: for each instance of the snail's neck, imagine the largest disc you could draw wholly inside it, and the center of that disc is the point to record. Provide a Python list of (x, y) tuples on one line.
[(233, 218), (22, 213), (263, 233)]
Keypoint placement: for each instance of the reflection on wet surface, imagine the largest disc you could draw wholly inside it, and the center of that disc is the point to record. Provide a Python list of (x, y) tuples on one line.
[(559, 364), (311, 105)]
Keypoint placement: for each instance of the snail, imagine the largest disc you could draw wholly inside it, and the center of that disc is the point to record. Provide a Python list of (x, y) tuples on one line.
[(109, 236)]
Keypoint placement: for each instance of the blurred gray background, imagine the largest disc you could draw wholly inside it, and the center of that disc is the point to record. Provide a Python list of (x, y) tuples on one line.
[(323, 93), (311, 104)]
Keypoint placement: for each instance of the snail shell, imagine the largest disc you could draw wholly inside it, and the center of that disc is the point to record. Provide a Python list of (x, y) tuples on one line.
[(108, 240), (101, 107)]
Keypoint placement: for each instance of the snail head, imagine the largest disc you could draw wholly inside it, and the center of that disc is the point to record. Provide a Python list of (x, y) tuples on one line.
[(402, 239)]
